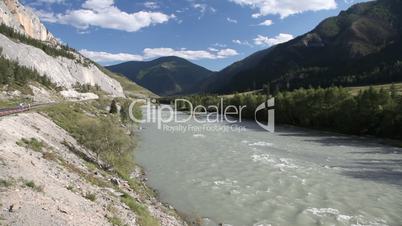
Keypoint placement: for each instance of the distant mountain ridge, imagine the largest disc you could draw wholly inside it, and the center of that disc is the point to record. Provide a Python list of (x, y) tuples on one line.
[(164, 76), (361, 45)]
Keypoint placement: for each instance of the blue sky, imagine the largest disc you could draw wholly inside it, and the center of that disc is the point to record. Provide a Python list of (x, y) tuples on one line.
[(211, 33)]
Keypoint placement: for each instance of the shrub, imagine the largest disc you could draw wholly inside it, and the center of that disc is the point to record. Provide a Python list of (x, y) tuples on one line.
[(32, 144), (90, 196)]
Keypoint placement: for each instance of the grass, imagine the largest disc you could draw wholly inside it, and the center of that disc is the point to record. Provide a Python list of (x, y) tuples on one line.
[(9, 103), (131, 89), (70, 188), (31, 184), (98, 131), (90, 196), (116, 221), (103, 133), (88, 177), (144, 217), (355, 90), (6, 183), (32, 144)]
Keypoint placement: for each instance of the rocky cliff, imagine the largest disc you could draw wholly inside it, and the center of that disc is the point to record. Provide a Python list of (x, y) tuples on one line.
[(63, 71), (23, 20)]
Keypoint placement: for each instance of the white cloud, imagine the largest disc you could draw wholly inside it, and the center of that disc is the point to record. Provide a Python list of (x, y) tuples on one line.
[(39, 2), (285, 8), (203, 8), (245, 43), (103, 13), (189, 54), (224, 53), (151, 5), (230, 20), (266, 23), (281, 38), (110, 57), (149, 53), (256, 15), (220, 45)]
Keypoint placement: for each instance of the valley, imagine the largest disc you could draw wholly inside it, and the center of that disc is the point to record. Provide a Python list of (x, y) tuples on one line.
[(201, 113)]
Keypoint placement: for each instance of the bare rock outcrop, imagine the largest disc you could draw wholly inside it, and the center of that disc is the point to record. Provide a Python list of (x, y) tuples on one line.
[(23, 20), (62, 71)]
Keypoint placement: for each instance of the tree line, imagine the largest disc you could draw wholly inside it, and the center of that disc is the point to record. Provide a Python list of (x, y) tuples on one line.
[(60, 50), (12, 73), (370, 112)]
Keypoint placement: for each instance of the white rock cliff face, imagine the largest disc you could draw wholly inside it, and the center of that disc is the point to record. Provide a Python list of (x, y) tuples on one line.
[(23, 20), (62, 71)]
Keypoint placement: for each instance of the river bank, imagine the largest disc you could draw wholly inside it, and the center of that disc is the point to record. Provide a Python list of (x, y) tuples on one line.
[(49, 176)]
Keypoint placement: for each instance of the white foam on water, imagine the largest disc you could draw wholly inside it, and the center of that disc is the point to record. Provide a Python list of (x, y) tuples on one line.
[(219, 182), (261, 144), (323, 211), (263, 158), (198, 135), (346, 219), (285, 163), (262, 224)]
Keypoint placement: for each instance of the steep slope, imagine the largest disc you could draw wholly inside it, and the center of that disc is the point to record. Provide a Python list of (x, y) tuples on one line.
[(359, 46), (30, 44), (164, 76), (23, 20)]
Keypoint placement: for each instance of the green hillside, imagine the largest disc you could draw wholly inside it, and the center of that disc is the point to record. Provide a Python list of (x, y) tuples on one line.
[(165, 76), (360, 46)]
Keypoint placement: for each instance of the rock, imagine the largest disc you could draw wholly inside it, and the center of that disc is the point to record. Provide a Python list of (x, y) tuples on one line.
[(115, 181), (23, 20), (62, 71), (61, 210), (11, 208)]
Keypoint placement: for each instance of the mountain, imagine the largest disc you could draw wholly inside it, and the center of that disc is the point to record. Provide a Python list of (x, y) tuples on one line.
[(360, 46), (164, 76)]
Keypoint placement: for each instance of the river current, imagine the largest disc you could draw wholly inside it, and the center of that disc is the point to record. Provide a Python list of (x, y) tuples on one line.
[(245, 176)]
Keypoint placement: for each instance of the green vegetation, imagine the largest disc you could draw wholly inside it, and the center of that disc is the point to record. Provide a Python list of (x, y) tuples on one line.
[(164, 76), (397, 87), (90, 196), (130, 88), (63, 51), (32, 144), (115, 221), (106, 135), (6, 183), (113, 107), (144, 216), (102, 134), (11, 103), (31, 184), (376, 112), (13, 74), (70, 188), (86, 88), (329, 55)]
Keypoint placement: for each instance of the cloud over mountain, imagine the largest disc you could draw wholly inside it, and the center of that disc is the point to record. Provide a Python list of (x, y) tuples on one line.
[(149, 53), (285, 8), (104, 14)]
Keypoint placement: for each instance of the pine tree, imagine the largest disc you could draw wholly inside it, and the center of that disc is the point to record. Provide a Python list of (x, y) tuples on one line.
[(113, 107)]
